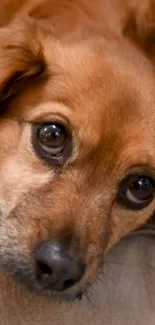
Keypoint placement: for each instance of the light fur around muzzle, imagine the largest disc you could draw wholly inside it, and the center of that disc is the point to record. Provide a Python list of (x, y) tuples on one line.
[(124, 293)]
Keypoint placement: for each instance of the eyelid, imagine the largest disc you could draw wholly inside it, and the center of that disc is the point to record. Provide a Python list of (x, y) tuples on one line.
[(53, 118), (133, 177), (48, 110), (139, 170)]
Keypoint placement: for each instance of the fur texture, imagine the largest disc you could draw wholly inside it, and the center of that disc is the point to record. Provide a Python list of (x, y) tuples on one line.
[(91, 66), (123, 294)]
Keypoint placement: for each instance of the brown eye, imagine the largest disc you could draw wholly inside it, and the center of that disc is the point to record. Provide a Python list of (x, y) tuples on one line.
[(52, 141), (136, 192), (52, 138)]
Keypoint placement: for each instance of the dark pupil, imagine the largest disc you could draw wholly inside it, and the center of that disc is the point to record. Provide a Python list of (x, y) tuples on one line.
[(141, 188), (52, 136)]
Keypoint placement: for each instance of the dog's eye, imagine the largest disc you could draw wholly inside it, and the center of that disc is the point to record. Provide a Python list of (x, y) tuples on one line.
[(51, 141), (52, 138), (136, 192)]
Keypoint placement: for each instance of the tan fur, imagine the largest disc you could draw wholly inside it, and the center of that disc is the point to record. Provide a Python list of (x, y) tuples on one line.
[(126, 295), (90, 65)]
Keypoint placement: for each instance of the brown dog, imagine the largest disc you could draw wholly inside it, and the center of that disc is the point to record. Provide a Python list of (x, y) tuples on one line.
[(77, 134), (124, 294)]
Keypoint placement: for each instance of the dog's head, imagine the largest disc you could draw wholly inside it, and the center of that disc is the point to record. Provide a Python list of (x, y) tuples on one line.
[(77, 154)]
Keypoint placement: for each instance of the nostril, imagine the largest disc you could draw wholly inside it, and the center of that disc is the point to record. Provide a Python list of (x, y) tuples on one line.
[(44, 268), (69, 283), (56, 269)]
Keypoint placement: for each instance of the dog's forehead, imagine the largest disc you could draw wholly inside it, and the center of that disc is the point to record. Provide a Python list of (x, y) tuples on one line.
[(111, 99), (105, 90), (107, 98), (98, 77)]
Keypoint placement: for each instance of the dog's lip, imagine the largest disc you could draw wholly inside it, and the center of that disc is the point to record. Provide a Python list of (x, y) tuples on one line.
[(61, 291), (63, 294)]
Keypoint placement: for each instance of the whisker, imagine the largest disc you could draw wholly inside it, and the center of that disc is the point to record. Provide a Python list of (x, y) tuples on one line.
[(98, 279), (92, 296), (89, 299), (108, 277), (113, 262)]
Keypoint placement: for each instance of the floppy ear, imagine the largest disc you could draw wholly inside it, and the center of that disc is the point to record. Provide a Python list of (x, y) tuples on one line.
[(21, 59), (140, 26)]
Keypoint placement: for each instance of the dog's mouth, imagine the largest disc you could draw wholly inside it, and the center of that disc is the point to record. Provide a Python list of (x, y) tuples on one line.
[(65, 295), (70, 294), (23, 274)]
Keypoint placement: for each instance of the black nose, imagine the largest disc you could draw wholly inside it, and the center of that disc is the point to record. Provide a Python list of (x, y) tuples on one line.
[(56, 269)]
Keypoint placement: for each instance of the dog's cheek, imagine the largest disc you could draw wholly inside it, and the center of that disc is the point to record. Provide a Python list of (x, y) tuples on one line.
[(8, 239), (97, 236), (17, 179), (124, 220), (20, 169), (49, 213), (20, 231)]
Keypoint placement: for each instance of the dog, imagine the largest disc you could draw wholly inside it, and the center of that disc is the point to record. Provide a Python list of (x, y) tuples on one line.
[(77, 154), (124, 293)]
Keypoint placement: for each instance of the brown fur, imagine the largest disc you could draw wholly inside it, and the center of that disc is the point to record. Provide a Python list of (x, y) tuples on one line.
[(91, 65), (124, 293)]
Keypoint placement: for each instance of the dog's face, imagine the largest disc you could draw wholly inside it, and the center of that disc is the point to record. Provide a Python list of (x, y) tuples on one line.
[(77, 158)]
